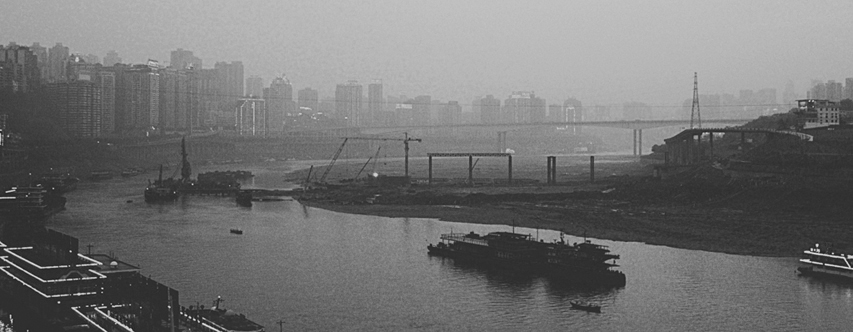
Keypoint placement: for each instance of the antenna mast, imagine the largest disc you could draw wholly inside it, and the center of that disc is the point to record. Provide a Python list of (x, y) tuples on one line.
[(694, 112)]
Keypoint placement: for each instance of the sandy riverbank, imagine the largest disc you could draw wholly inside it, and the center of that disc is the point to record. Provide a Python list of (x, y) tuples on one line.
[(625, 205)]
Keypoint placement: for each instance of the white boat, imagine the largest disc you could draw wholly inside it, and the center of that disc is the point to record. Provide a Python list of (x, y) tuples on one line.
[(826, 262)]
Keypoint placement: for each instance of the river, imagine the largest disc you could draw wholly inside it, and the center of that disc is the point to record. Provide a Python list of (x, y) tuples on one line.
[(327, 271)]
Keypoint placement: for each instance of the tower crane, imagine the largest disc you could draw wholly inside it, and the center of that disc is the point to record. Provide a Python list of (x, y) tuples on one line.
[(405, 141)]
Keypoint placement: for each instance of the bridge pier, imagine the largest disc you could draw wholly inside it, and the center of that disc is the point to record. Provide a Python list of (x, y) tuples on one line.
[(638, 142), (552, 170)]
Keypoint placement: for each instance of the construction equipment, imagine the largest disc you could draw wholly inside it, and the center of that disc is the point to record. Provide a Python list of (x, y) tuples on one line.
[(308, 178), (367, 162), (331, 163), (405, 141)]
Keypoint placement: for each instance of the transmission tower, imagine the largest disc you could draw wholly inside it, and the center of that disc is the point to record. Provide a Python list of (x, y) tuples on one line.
[(694, 112)]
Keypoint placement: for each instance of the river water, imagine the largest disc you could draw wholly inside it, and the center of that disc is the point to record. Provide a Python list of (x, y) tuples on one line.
[(327, 271)]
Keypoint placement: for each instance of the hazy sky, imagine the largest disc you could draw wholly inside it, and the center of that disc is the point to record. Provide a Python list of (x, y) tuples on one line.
[(598, 51)]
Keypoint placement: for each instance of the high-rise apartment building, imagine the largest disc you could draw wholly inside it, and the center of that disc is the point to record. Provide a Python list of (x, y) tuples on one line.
[(175, 99), (230, 80), (111, 59), (848, 88), (375, 102), (19, 70), (421, 109), (76, 106), (450, 113), (137, 99), (573, 110), (204, 97), (490, 110), (56, 61), (251, 117), (41, 55), (556, 113), (309, 99), (183, 59), (106, 82), (476, 111), (279, 103), (834, 90), (348, 103), (523, 107), (255, 86)]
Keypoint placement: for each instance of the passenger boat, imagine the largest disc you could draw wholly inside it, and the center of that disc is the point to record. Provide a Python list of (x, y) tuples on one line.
[(585, 306), (584, 262), (218, 319), (826, 262), (31, 202)]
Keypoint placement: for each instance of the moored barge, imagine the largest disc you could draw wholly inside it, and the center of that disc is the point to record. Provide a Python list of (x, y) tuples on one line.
[(584, 262)]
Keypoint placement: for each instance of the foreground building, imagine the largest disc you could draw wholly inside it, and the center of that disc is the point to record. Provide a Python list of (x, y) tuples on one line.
[(815, 113), (57, 287)]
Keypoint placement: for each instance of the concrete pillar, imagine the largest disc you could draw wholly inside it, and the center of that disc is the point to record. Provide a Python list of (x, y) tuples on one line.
[(548, 171), (509, 167), (429, 181), (639, 142), (634, 140), (470, 169), (591, 168), (552, 169)]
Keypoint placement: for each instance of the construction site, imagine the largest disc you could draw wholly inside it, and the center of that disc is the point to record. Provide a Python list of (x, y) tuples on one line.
[(793, 191)]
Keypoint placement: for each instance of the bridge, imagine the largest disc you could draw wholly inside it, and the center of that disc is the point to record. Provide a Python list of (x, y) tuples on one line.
[(686, 147), (502, 128)]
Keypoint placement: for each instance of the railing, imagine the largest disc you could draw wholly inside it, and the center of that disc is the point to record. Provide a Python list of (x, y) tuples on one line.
[(460, 237)]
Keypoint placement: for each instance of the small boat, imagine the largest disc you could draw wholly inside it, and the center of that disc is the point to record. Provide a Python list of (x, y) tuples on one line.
[(236, 231), (100, 175), (585, 306)]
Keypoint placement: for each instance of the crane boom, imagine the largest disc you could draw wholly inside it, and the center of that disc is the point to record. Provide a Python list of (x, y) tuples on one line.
[(365, 164), (331, 163), (405, 141)]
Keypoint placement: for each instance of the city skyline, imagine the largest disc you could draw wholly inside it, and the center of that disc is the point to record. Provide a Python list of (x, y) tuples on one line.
[(610, 54)]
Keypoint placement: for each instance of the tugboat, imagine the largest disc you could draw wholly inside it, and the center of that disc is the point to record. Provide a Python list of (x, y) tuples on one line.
[(581, 262), (822, 262), (162, 190), (221, 319)]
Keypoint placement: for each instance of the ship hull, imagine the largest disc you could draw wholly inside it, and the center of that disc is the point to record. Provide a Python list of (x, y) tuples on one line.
[(558, 272), (154, 196), (824, 272)]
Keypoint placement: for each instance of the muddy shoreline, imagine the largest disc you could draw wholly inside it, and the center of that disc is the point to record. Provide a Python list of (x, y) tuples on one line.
[(626, 206)]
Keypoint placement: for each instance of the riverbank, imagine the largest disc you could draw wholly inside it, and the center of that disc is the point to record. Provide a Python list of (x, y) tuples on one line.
[(700, 212)]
